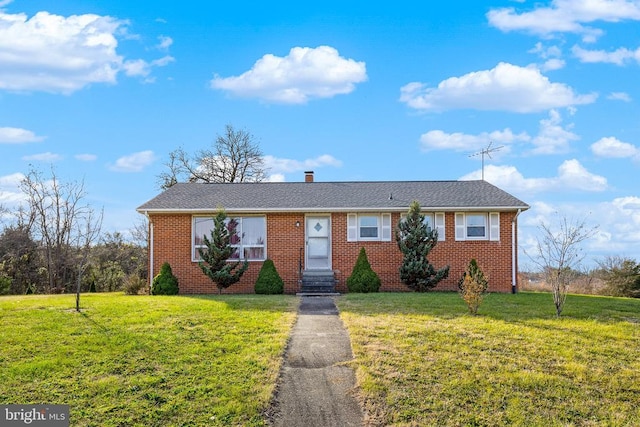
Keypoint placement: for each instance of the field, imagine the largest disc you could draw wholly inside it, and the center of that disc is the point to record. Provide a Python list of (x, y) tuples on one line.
[(420, 358), (145, 361)]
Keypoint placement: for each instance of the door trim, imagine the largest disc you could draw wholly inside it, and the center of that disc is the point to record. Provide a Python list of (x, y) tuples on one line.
[(307, 265)]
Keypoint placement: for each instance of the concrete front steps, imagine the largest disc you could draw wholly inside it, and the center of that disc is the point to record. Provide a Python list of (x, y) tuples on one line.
[(318, 282)]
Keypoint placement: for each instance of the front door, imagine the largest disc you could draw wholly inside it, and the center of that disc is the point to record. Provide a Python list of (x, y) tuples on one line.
[(318, 237)]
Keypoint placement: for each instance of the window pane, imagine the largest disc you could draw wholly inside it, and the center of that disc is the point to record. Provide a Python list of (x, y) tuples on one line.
[(428, 221), (203, 226), (253, 231), (369, 221), (368, 232), (476, 225), (254, 253)]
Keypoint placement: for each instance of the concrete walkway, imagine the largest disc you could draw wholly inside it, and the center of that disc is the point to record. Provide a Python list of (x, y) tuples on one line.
[(314, 388)]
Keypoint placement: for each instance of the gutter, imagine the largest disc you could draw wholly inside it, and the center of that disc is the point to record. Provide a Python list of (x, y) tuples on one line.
[(146, 213), (514, 253)]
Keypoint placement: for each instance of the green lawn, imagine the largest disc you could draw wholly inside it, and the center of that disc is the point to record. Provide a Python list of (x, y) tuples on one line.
[(145, 361), (421, 360)]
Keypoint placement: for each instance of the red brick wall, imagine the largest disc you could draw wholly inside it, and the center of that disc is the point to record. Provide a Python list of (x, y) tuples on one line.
[(172, 243)]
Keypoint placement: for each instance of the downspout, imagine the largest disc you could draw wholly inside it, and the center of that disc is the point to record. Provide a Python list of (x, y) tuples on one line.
[(514, 253), (150, 249)]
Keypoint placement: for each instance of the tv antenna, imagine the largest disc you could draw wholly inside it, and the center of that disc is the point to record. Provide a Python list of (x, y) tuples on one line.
[(486, 152)]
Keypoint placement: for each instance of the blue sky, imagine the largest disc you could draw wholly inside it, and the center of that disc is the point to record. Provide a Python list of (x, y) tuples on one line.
[(352, 90)]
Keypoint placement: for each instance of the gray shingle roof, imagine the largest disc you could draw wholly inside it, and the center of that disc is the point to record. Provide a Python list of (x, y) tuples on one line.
[(332, 196)]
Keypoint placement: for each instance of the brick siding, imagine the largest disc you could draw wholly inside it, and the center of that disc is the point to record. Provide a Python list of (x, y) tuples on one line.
[(285, 246)]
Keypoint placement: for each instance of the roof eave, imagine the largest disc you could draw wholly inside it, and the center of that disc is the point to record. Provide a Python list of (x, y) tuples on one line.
[(195, 211)]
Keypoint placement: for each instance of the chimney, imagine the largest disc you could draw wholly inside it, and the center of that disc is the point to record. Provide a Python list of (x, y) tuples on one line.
[(308, 176)]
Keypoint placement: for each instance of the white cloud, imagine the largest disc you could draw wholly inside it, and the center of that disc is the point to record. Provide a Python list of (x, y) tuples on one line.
[(619, 56), (304, 74), (164, 42), (506, 87), (571, 176), (552, 64), (617, 222), (142, 68), (440, 140), (565, 16), (614, 148), (552, 137), (86, 157), (135, 162), (10, 135), (280, 165), (47, 157), (619, 96), (10, 193), (4, 3), (58, 54)]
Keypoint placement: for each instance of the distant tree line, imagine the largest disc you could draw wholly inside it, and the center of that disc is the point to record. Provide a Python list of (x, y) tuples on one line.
[(54, 243)]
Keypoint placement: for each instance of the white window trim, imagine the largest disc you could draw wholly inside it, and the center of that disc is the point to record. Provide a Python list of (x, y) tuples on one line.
[(384, 227), (194, 249), (492, 227)]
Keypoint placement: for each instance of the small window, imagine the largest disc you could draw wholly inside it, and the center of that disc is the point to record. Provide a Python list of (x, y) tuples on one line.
[(478, 226), (433, 220), (368, 227)]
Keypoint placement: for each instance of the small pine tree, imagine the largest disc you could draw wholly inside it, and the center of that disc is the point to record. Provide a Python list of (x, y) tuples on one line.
[(416, 240), (269, 281), (215, 264), (165, 283), (363, 278), (473, 286)]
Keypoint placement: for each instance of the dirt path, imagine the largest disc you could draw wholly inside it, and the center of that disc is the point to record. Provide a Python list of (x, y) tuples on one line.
[(314, 388)]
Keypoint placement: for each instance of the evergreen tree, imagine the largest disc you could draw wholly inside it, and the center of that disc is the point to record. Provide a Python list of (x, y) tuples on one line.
[(415, 241), (269, 281), (165, 283), (363, 278), (218, 250)]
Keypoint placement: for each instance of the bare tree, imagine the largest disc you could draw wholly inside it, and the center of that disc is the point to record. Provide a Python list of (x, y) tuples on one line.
[(234, 157), (559, 254), (87, 231), (61, 221)]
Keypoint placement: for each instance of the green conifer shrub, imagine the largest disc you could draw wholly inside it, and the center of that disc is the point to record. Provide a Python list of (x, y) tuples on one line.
[(363, 278), (269, 281), (415, 240), (165, 283)]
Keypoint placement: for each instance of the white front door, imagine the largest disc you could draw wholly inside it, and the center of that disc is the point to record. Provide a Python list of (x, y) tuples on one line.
[(318, 237)]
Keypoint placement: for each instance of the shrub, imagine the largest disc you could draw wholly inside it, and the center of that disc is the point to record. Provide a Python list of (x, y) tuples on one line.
[(165, 283), (5, 284), (269, 281), (473, 286), (363, 278), (133, 284)]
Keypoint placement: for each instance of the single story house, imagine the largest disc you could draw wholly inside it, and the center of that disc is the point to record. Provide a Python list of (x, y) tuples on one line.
[(314, 230)]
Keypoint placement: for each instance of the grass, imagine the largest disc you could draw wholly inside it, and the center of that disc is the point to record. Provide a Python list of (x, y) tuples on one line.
[(145, 361), (421, 360)]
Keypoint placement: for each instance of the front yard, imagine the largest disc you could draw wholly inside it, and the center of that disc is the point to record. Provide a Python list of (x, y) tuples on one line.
[(419, 358)]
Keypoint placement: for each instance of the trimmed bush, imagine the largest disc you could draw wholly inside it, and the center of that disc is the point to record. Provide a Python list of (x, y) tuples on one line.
[(269, 281), (363, 278), (165, 283)]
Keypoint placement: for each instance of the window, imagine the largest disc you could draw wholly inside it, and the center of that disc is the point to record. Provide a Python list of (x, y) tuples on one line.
[(478, 226), (249, 241), (368, 227), (433, 220)]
